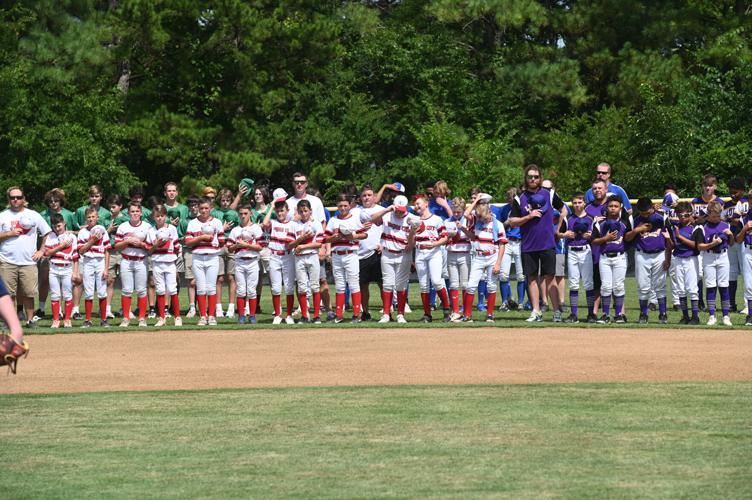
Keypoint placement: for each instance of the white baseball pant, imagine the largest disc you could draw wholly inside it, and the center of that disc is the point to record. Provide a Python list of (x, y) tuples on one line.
[(650, 274), (165, 278), (673, 274), (686, 277), (444, 263), (482, 269), (61, 282), (282, 272), (613, 271), (307, 273), (747, 271), (395, 271), (93, 268), (580, 267), (346, 270), (458, 266), (716, 268), (133, 277), (736, 261), (428, 265), (205, 270), (246, 277), (513, 254)]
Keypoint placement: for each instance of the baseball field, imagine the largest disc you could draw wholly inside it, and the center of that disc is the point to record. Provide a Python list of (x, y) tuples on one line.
[(503, 410)]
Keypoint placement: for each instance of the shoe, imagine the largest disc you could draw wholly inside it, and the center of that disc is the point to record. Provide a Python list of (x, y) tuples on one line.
[(653, 306), (528, 306), (304, 321), (104, 323), (152, 313), (77, 316), (252, 320), (160, 322), (504, 307), (481, 307), (125, 323), (544, 308), (643, 319), (355, 319), (684, 320), (385, 318), (572, 318), (230, 312), (119, 314), (366, 316), (87, 324), (733, 308), (330, 316), (748, 320), (178, 321), (426, 318), (489, 318), (55, 324), (447, 316), (338, 320), (212, 321), (407, 309), (277, 320), (604, 320), (241, 319), (39, 314), (167, 314), (191, 313), (620, 319), (316, 320), (592, 319), (455, 317), (512, 305), (694, 321), (109, 315), (535, 317), (727, 321), (289, 320), (401, 319), (663, 318), (712, 321), (202, 322), (219, 313), (142, 323), (466, 319), (744, 311), (557, 317)]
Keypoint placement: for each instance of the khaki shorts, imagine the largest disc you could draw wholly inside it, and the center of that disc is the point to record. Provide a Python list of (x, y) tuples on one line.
[(266, 255), (180, 264), (226, 262), (188, 263), (114, 269), (21, 281)]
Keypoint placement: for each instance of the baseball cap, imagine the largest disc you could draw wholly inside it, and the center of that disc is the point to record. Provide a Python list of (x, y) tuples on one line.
[(400, 203), (670, 199), (279, 194), (484, 197), (400, 187), (249, 184)]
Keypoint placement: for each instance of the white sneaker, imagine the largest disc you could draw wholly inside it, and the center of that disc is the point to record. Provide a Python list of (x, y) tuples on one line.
[(744, 311), (535, 317), (109, 314), (296, 313), (407, 310), (219, 313), (125, 323), (401, 318), (202, 322), (178, 321), (712, 321), (191, 313), (277, 320), (55, 324), (160, 322), (289, 320), (142, 323), (455, 317), (212, 321), (727, 321), (385, 318), (230, 311)]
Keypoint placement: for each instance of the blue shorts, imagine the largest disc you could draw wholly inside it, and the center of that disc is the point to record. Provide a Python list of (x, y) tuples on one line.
[(3, 288)]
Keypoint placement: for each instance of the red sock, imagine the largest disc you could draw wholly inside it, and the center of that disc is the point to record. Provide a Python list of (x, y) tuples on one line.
[(357, 303), (491, 303), (212, 304), (426, 299), (290, 304), (240, 304), (175, 299), (88, 307), (277, 303), (444, 298), (252, 307), (55, 310), (455, 295), (103, 309), (316, 304), (340, 305), (386, 299), (469, 298), (125, 303), (201, 299), (161, 303), (68, 309), (303, 301), (401, 301), (143, 306)]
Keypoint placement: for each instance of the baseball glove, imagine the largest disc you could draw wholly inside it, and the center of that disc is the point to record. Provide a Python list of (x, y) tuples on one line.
[(11, 351)]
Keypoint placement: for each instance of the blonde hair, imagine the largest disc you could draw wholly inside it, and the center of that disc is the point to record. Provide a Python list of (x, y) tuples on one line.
[(715, 208), (209, 190), (482, 211), (441, 188)]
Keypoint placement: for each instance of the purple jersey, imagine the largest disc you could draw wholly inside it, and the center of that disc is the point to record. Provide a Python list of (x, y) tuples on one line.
[(537, 233), (609, 225), (748, 236), (734, 211), (652, 241), (700, 206), (579, 225), (680, 249), (708, 231)]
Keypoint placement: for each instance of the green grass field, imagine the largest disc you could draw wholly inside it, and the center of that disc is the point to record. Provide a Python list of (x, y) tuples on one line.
[(663, 440)]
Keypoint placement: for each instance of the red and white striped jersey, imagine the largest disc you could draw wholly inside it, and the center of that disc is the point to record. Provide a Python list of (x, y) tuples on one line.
[(211, 247), (97, 250), (486, 244), (139, 231), (67, 255), (169, 250), (338, 226), (431, 229), (460, 243), (394, 233), (313, 226), (281, 234), (251, 233)]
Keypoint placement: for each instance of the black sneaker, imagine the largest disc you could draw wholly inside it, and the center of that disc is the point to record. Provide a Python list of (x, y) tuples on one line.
[(604, 320), (366, 316), (592, 319), (620, 319), (663, 318), (104, 323), (426, 318), (304, 320), (684, 320), (87, 324), (652, 306), (643, 319), (513, 306), (572, 318), (39, 314), (732, 308), (748, 321), (447, 316), (316, 320), (77, 316), (30, 325), (355, 319), (677, 307), (694, 321)]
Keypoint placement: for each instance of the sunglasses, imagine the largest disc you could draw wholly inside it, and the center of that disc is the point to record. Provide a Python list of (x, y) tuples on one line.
[(602, 173), (299, 182), (533, 176), (16, 197), (685, 215)]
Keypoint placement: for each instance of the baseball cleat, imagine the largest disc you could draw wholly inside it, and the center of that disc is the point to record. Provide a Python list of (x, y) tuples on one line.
[(152, 313), (191, 313), (744, 311), (366, 316), (77, 316), (512, 305), (663, 318), (355, 319), (407, 308), (277, 320), (604, 320), (489, 318), (337, 320), (160, 322), (694, 321), (252, 320), (727, 321), (504, 307), (684, 320), (643, 319), (535, 317), (125, 323), (426, 318), (87, 324), (401, 319), (572, 318), (104, 323), (592, 319), (455, 317), (178, 321), (481, 307), (241, 319), (620, 319), (289, 320), (316, 320), (330, 316), (142, 323), (55, 324), (212, 321), (557, 317), (202, 321), (385, 318), (712, 321), (748, 320)]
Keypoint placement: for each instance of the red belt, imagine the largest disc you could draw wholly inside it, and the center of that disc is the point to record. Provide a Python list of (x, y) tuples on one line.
[(423, 247), (394, 251), (130, 257), (485, 254), (459, 251), (344, 252), (280, 252), (62, 265)]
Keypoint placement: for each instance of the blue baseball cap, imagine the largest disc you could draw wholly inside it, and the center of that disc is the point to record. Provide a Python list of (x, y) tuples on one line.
[(400, 187)]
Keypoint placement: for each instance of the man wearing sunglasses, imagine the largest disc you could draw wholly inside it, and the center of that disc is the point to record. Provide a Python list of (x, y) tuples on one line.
[(603, 173), (533, 213), (19, 254)]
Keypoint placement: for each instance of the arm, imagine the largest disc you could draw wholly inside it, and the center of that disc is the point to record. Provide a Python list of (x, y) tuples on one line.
[(441, 201), (242, 189), (377, 197), (709, 245), (469, 210), (10, 234), (499, 257), (631, 235), (378, 217), (40, 253)]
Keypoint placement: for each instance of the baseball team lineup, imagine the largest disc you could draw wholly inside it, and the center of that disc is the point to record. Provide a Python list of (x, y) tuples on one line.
[(462, 251)]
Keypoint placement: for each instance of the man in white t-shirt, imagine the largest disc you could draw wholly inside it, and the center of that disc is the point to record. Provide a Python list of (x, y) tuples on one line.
[(19, 229)]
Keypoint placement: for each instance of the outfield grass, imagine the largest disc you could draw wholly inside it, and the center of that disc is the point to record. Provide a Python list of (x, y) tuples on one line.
[(617, 440)]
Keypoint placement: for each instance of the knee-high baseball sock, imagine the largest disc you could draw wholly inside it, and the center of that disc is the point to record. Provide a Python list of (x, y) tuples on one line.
[(277, 304), (426, 299), (733, 286), (444, 297), (662, 305), (711, 300), (455, 297), (125, 302), (606, 304), (161, 306), (290, 304), (491, 303), (55, 310), (506, 291), (590, 297), (386, 299), (175, 301), (521, 285), (574, 299), (143, 307), (684, 307), (240, 304), (340, 304), (401, 301), (88, 308), (103, 308), (316, 304), (725, 303), (212, 303), (619, 305), (68, 309), (695, 308), (357, 303), (303, 301), (643, 307), (201, 300), (469, 298)]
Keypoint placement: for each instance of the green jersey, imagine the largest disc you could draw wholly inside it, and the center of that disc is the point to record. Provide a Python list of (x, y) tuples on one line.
[(70, 218), (104, 217), (228, 215)]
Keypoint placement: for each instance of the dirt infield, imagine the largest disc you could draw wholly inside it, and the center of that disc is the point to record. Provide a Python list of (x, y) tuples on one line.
[(278, 358)]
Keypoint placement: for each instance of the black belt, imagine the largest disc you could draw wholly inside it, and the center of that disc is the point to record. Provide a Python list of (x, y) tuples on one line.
[(652, 252), (578, 249), (613, 254), (716, 251), (747, 246)]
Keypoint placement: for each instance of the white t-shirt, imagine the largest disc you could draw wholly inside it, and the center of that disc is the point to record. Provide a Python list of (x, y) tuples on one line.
[(19, 250), (317, 207), (367, 247)]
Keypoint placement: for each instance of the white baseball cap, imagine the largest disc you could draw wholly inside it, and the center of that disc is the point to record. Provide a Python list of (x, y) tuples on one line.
[(400, 203), (484, 197), (279, 194)]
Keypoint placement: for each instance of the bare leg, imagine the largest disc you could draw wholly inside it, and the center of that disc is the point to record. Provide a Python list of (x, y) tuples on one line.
[(8, 313)]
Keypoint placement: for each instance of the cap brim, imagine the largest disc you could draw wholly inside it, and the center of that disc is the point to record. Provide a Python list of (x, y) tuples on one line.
[(400, 209)]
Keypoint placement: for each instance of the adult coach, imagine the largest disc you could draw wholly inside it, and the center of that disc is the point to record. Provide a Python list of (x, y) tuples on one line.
[(603, 173), (533, 213), (19, 228)]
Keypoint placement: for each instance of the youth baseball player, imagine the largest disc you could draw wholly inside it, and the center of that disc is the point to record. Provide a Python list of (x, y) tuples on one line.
[(245, 243), (458, 260), (61, 247), (577, 231), (700, 210), (429, 238), (164, 250), (281, 263), (94, 249), (744, 240), (684, 263), (713, 240), (309, 236), (205, 236), (132, 240), (733, 211)]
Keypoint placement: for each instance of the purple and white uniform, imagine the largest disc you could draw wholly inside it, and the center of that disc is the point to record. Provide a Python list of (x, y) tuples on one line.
[(613, 260), (580, 254), (715, 263), (685, 264), (650, 255)]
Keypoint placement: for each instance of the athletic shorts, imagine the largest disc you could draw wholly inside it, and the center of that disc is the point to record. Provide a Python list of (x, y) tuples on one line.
[(541, 263), (370, 269), (597, 279), (21, 281)]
